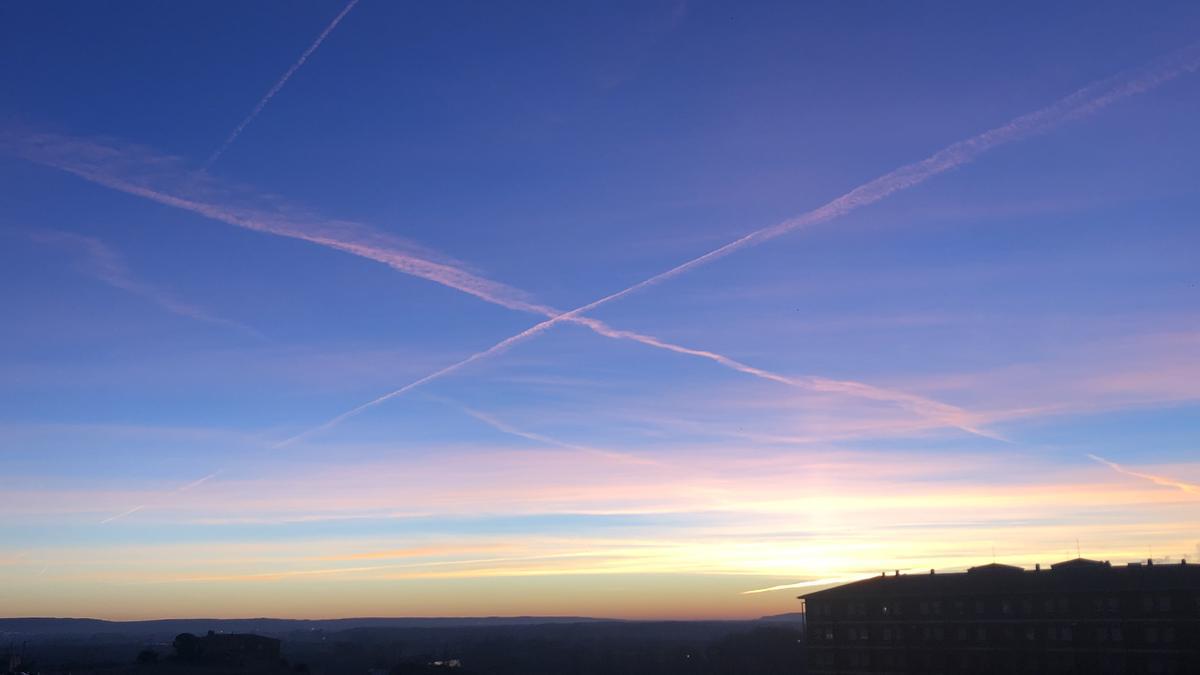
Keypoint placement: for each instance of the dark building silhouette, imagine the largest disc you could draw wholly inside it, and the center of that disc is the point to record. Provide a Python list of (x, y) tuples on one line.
[(1079, 616), (228, 649)]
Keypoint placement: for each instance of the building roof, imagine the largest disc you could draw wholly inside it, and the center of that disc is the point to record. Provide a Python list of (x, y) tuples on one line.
[(1071, 575), (1078, 563)]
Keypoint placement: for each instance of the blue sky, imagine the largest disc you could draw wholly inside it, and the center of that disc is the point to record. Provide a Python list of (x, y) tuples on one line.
[(1007, 349)]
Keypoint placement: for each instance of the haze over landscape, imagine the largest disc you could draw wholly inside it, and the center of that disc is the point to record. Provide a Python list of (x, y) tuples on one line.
[(649, 310)]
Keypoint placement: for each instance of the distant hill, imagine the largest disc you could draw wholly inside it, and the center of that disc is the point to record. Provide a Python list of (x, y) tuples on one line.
[(528, 645), (35, 626), (790, 617)]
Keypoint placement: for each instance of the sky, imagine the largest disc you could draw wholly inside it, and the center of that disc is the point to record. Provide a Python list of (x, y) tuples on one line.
[(664, 309)]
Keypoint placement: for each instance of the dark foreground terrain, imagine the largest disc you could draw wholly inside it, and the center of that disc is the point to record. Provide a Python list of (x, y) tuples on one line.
[(487, 646)]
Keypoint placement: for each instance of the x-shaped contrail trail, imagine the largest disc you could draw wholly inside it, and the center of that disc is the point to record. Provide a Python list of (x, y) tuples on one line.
[(92, 162), (1083, 102), (95, 162)]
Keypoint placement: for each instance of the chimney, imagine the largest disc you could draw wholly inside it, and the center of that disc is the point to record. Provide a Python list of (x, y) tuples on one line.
[(931, 571), (1149, 561), (898, 571)]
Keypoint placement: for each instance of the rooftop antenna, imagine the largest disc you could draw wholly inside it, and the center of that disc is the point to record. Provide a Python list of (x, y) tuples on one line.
[(1077, 553)]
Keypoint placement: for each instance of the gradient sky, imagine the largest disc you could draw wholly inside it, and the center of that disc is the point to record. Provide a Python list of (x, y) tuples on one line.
[(224, 226)]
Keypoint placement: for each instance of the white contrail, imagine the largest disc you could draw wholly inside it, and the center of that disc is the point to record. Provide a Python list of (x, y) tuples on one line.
[(95, 162), (182, 488), (279, 85), (1157, 480), (122, 514), (504, 427), (106, 265), (1081, 103)]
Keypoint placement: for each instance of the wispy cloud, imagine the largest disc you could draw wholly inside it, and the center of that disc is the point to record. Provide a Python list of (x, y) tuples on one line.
[(1083, 102), (287, 75), (1105, 366), (813, 486), (420, 552), (105, 264), (1164, 481)]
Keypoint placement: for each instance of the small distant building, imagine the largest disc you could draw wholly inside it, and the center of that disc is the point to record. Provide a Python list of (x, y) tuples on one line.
[(237, 649), (1079, 616)]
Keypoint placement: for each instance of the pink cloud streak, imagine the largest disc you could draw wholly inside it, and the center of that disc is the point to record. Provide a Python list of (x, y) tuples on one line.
[(106, 264)]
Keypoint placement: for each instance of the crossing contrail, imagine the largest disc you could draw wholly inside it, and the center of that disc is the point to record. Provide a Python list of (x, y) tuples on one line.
[(287, 75), (105, 164), (1083, 102)]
